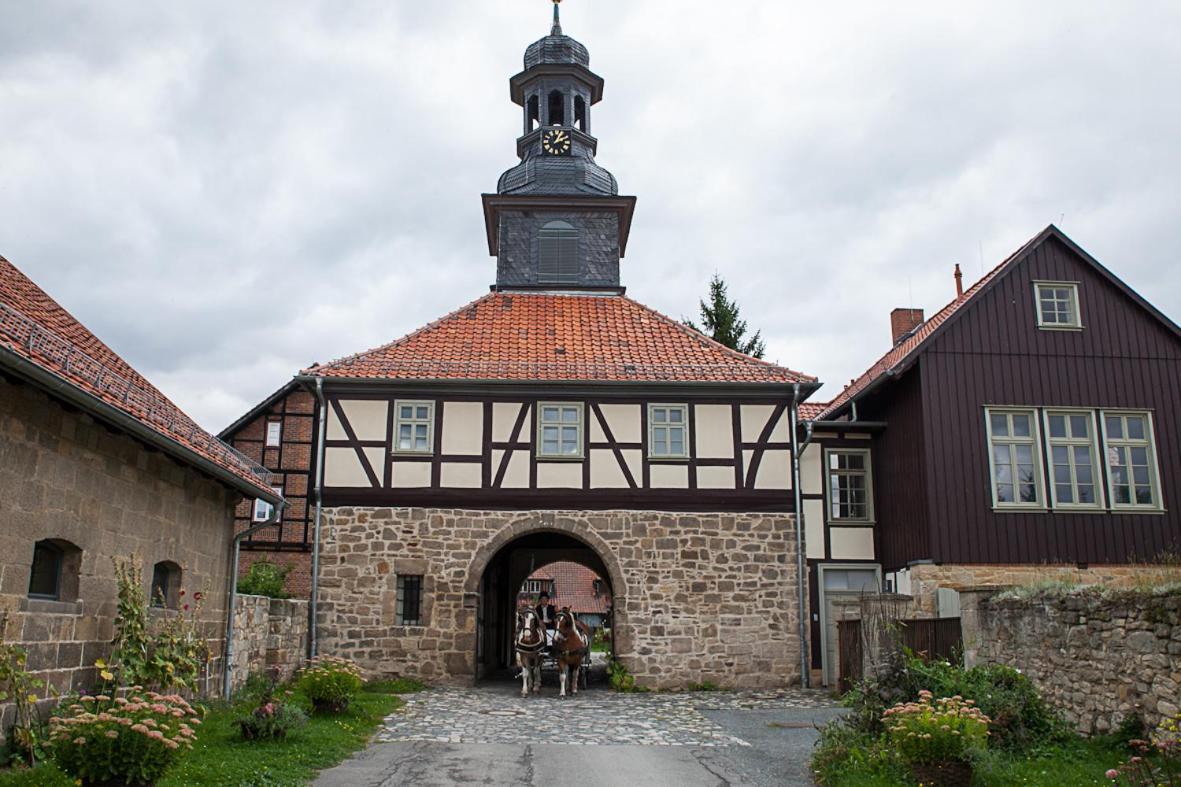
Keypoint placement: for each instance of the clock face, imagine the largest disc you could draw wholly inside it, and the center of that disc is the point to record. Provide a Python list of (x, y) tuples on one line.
[(556, 142)]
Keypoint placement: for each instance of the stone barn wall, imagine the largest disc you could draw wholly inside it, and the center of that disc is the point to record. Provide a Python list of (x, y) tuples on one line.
[(1096, 655), (268, 633), (698, 597)]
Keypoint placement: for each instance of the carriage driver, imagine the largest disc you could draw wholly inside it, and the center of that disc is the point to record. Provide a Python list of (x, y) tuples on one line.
[(548, 616)]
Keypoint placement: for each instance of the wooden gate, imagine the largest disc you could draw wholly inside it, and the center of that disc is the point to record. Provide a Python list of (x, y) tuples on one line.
[(849, 641), (930, 639)]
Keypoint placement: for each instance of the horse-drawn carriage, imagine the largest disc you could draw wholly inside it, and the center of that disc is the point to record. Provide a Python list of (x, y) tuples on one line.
[(567, 651)]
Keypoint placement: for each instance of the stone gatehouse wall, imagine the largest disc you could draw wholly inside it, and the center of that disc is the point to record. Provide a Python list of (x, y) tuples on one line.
[(1096, 655), (269, 633), (698, 597)]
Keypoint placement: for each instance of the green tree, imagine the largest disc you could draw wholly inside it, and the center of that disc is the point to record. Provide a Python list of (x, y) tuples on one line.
[(720, 321)]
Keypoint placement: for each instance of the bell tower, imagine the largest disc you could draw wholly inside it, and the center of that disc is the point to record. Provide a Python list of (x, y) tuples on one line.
[(556, 221)]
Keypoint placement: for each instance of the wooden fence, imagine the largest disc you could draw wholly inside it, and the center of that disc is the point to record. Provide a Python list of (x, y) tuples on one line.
[(928, 638)]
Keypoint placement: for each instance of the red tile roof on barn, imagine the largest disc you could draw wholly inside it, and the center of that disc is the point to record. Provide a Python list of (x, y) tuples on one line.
[(907, 348), (810, 411), (574, 587), (556, 338), (38, 330)]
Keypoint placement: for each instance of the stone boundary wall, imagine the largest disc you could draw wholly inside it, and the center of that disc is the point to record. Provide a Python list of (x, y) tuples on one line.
[(1098, 656), (268, 633), (697, 596)]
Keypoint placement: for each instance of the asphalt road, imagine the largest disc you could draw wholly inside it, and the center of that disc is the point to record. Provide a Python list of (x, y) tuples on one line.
[(781, 744)]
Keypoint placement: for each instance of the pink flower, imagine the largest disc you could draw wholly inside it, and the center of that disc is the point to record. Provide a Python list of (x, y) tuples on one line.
[(139, 728), (112, 734), (1112, 774), (156, 735)]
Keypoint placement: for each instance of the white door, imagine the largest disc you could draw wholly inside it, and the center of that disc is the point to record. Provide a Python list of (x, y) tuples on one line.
[(838, 584)]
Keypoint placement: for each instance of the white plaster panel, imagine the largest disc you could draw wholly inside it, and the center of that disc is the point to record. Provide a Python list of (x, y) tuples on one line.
[(597, 435), (624, 420), (774, 471), (671, 476), (411, 475), (463, 428), (715, 432), (462, 475), (335, 430), (851, 543), (715, 478), (504, 417), (377, 458), (814, 529), (635, 463), (559, 475), (812, 470), (754, 418), (343, 468), (605, 472), (516, 475), (367, 417)]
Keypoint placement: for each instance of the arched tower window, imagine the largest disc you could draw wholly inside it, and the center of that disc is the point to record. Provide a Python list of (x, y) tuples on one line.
[(557, 108), (558, 261), (533, 113), (580, 113), (54, 573), (166, 585)]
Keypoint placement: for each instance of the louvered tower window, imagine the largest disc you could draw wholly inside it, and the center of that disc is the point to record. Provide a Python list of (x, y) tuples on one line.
[(558, 247)]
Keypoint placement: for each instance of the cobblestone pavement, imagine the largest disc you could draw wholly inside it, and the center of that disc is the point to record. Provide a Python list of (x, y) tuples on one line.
[(498, 715)]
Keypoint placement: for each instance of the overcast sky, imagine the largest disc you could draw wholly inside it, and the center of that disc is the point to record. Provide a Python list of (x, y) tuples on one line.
[(226, 192)]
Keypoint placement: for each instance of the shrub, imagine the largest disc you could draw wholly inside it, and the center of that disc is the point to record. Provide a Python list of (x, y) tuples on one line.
[(330, 683), (269, 717), (929, 732), (620, 679), (844, 753), (25, 736), (125, 740), (265, 578)]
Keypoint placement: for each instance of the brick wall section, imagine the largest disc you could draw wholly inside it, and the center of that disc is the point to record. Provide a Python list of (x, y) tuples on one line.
[(698, 597), (299, 581), (1097, 656), (268, 633), (64, 476)]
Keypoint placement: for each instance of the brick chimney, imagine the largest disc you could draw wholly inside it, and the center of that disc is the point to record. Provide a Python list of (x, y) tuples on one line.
[(903, 321)]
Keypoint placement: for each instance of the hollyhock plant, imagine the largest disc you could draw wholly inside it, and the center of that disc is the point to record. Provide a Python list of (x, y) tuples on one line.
[(132, 739)]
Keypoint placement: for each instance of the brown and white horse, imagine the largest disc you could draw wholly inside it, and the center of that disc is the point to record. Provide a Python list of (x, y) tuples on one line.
[(529, 642), (571, 646)]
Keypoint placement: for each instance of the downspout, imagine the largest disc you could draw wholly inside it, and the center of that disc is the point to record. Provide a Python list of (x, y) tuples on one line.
[(227, 669), (313, 605), (799, 518)]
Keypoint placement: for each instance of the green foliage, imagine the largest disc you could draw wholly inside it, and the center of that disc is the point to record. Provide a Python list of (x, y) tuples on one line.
[(1156, 762), (622, 680), (265, 578), (330, 683), (720, 321), (271, 716), (705, 685), (930, 731), (847, 755), (26, 735), (130, 654), (125, 740)]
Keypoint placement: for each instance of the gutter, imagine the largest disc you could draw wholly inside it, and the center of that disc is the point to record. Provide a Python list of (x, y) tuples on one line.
[(79, 398), (805, 678), (227, 669), (313, 605)]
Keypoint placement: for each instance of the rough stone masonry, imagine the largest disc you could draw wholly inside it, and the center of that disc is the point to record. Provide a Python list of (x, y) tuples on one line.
[(698, 597)]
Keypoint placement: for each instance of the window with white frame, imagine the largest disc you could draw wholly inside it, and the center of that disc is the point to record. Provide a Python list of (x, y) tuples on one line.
[(414, 427), (668, 431), (1057, 304), (263, 509), (850, 491), (559, 431), (1014, 458), (1130, 453), (274, 433), (1070, 436)]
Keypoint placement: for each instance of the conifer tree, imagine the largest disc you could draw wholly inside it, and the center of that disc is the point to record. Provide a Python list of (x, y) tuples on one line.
[(720, 321)]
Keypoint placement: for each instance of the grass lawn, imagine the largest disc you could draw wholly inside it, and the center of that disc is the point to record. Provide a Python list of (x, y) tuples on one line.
[(221, 757), (1076, 764)]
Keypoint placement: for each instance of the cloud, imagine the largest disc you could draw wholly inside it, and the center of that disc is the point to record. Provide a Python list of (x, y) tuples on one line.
[(227, 192)]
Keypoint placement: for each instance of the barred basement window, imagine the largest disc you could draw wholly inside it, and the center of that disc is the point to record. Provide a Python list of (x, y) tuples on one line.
[(558, 261), (409, 603)]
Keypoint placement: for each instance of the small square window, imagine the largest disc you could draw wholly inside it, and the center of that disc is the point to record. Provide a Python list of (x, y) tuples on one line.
[(559, 431), (263, 509), (274, 433), (668, 435), (409, 602), (414, 427), (1057, 305)]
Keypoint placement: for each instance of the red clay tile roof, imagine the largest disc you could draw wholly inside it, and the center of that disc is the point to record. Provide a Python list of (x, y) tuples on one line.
[(574, 587), (810, 411), (37, 329), (908, 347), (555, 338)]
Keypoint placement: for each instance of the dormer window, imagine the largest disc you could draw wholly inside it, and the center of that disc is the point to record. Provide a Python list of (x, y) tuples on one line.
[(558, 254), (1057, 305)]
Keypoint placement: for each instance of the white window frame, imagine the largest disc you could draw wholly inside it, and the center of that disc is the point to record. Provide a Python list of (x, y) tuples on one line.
[(1072, 286), (1157, 503), (262, 509), (1039, 462), (580, 424), (683, 426), (1070, 443), (274, 428), (828, 490), (415, 421)]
